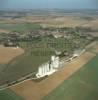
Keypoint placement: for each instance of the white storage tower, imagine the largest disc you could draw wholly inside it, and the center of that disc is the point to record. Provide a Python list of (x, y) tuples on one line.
[(55, 62), (48, 68)]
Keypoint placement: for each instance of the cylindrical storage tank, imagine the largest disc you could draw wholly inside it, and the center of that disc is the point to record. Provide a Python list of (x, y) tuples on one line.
[(39, 72), (51, 66), (47, 67), (56, 62), (52, 58), (42, 70)]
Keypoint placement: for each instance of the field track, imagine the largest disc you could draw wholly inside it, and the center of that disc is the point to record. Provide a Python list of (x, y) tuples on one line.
[(32, 90)]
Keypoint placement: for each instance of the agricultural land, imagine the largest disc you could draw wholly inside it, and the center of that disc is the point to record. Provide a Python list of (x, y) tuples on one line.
[(28, 39)]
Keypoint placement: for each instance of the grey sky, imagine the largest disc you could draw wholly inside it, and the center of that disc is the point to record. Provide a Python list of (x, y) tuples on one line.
[(35, 4)]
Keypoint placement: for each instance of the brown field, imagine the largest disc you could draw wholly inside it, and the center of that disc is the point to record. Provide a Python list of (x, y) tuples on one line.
[(70, 21), (55, 21), (93, 24), (32, 90), (8, 53), (67, 21), (94, 49), (4, 31)]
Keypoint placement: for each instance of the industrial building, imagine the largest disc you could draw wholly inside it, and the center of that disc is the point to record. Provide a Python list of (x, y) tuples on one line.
[(49, 67)]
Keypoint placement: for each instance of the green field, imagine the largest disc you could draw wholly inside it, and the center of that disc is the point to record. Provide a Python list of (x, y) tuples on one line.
[(22, 65), (23, 27), (83, 85), (9, 95)]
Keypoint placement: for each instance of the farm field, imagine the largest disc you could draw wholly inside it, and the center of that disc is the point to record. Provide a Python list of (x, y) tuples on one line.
[(37, 90), (83, 85), (71, 21), (29, 23), (18, 27), (20, 67), (9, 95), (9, 53), (4, 31)]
